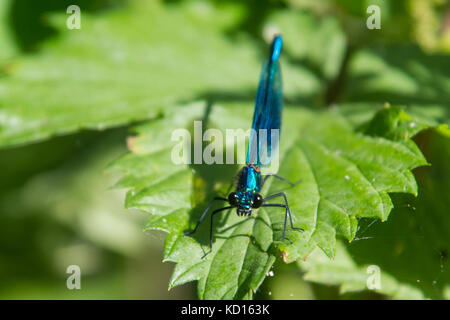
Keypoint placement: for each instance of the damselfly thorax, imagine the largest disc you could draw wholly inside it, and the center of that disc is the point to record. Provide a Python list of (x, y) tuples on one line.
[(248, 184)]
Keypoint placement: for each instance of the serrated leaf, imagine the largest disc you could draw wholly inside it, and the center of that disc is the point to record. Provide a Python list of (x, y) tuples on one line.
[(410, 250), (345, 175), (119, 68), (128, 64), (360, 115), (393, 123)]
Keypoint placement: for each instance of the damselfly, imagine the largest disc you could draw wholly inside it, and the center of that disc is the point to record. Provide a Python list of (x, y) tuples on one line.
[(267, 116)]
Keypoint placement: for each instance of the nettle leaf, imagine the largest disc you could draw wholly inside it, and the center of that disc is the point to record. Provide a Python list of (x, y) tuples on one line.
[(123, 66), (392, 122), (127, 64), (361, 114), (346, 175), (410, 250)]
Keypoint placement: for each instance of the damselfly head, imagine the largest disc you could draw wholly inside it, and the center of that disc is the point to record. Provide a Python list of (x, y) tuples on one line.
[(245, 202)]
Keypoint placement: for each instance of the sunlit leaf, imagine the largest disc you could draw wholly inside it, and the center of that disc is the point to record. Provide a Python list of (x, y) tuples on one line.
[(126, 65), (345, 176)]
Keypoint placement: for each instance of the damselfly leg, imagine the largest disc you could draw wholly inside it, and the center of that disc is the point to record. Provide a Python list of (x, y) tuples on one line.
[(187, 233), (211, 226), (286, 214)]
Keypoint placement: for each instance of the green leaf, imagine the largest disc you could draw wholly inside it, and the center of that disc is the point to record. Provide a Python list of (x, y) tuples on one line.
[(360, 115), (120, 68), (126, 65), (8, 48), (393, 123), (351, 277), (346, 175), (400, 74), (410, 250)]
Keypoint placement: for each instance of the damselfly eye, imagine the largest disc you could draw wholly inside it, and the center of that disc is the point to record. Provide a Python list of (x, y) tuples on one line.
[(233, 199), (257, 201)]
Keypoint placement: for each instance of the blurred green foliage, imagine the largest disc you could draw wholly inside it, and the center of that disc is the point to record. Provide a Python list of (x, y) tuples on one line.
[(63, 93)]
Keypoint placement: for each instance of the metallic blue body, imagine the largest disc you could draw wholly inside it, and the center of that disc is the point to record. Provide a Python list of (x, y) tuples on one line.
[(247, 185), (267, 116)]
